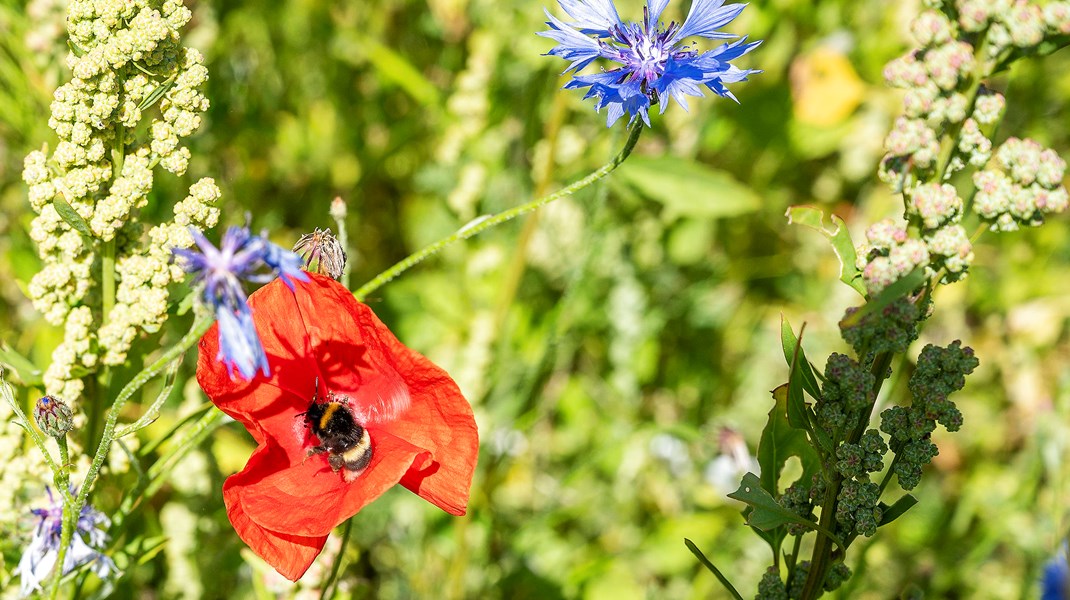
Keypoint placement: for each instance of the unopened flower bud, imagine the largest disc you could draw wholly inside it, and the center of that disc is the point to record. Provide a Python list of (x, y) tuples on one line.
[(321, 252), (53, 416), (338, 209)]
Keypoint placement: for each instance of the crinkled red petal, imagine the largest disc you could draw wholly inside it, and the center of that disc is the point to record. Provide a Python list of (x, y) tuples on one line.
[(290, 555), (309, 498), (438, 418)]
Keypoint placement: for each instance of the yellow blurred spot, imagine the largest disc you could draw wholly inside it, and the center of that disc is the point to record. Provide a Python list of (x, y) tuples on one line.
[(824, 87)]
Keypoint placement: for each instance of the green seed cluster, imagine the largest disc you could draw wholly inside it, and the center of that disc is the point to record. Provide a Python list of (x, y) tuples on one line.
[(858, 460), (857, 507), (892, 329), (848, 389), (940, 372), (771, 587), (837, 574), (800, 498), (131, 74)]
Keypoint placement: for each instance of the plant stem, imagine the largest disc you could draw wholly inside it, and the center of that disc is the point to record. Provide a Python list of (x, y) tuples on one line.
[(482, 224), (200, 326), (822, 553), (107, 279), (70, 519)]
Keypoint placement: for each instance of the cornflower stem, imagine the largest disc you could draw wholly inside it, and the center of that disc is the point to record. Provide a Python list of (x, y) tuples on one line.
[(62, 480), (482, 224), (200, 326)]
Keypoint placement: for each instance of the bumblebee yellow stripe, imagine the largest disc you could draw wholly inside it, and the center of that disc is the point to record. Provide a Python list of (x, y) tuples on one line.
[(328, 413)]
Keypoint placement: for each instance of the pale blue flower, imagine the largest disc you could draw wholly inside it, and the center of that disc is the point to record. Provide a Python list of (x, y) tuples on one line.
[(88, 539), (654, 62), (241, 256)]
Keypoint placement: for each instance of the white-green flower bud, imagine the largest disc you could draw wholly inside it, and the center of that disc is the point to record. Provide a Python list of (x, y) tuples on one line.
[(935, 204), (952, 246), (931, 28)]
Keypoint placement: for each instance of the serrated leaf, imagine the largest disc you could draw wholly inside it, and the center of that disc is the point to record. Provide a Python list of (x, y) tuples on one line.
[(686, 188), (767, 513), (26, 371), (840, 239), (71, 216), (896, 510), (709, 565), (779, 441), (796, 358)]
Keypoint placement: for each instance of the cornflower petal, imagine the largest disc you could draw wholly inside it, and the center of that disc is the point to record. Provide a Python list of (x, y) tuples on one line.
[(654, 10), (654, 61), (220, 271), (574, 46), (239, 345), (706, 17), (593, 17)]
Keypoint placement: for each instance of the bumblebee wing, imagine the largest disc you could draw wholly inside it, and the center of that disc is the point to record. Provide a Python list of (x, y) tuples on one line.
[(382, 397)]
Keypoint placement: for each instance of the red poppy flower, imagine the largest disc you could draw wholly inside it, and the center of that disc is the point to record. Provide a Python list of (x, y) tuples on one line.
[(287, 499)]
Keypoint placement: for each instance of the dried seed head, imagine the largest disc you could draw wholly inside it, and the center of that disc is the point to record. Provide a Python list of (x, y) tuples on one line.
[(322, 253)]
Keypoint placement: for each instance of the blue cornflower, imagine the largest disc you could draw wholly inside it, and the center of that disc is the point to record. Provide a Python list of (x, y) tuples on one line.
[(88, 540), (654, 62), (220, 271), (1055, 585)]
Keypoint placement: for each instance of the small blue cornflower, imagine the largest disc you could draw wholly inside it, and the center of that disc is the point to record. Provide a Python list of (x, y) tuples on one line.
[(655, 64), (220, 271), (41, 554), (1055, 584)]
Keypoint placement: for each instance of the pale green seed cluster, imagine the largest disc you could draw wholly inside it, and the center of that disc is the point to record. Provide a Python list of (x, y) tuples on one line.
[(1024, 185), (945, 99), (129, 67)]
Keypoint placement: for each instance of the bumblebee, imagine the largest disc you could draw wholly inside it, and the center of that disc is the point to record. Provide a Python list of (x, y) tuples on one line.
[(345, 441)]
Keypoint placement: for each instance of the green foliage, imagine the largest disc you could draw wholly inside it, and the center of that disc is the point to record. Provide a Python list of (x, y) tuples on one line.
[(592, 328)]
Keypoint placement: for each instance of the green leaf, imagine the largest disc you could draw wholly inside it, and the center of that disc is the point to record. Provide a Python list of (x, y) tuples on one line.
[(767, 513), (905, 285), (686, 188), (709, 565), (26, 371), (71, 216), (75, 48), (840, 239), (153, 412), (157, 93), (186, 303), (893, 512), (780, 440), (796, 357)]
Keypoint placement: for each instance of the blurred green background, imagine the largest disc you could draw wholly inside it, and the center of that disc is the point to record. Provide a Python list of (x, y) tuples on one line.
[(614, 345)]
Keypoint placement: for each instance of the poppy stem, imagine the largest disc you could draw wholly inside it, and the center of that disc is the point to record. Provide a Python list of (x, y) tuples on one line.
[(484, 223)]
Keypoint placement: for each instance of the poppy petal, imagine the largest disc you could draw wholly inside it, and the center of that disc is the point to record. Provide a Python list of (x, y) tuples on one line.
[(437, 419), (440, 420), (309, 499), (290, 555), (281, 328)]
